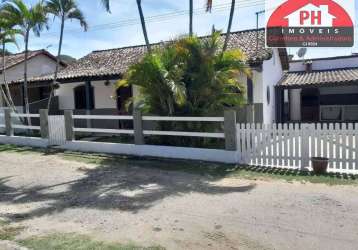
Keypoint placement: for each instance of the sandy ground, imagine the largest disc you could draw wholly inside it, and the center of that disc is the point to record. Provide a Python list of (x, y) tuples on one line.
[(47, 194)]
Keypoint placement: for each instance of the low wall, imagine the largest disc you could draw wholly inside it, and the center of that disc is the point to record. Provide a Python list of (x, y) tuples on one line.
[(24, 141), (211, 155)]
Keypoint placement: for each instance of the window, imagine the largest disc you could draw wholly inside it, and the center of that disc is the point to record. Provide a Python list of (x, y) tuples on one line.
[(80, 97)]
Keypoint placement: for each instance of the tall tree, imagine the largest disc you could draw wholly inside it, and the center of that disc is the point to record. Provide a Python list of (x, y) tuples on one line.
[(209, 6), (27, 19), (191, 14), (63, 10), (106, 4), (7, 36), (228, 32)]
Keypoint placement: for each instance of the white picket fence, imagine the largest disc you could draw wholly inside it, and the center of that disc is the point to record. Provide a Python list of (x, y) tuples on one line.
[(293, 145)]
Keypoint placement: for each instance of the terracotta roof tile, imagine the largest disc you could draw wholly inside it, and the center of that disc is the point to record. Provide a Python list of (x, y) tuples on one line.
[(114, 62), (322, 77), (15, 59)]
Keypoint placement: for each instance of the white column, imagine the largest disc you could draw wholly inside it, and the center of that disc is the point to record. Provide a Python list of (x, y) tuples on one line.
[(295, 104)]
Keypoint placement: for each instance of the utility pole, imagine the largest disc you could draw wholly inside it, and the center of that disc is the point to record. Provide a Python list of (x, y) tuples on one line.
[(257, 28)]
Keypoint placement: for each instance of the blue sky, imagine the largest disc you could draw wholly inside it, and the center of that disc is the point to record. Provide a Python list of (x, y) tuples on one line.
[(113, 30)]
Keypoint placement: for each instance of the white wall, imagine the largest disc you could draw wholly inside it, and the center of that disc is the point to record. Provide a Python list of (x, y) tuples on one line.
[(103, 95), (38, 65), (326, 64), (271, 75)]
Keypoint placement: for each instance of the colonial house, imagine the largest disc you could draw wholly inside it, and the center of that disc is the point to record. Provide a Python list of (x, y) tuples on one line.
[(40, 62), (87, 86), (319, 90)]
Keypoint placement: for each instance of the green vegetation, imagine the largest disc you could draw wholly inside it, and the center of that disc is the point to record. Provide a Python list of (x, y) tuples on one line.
[(76, 242), (200, 168), (8, 232), (189, 77)]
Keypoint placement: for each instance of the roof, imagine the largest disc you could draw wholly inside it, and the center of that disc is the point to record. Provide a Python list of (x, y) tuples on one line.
[(334, 77), (15, 59), (115, 62)]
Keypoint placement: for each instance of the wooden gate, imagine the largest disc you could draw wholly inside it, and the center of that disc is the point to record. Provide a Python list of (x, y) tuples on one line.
[(57, 130)]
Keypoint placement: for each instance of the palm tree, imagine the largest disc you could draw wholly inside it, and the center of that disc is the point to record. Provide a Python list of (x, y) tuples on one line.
[(228, 32), (106, 4), (64, 10), (191, 13), (27, 19), (7, 35), (209, 5)]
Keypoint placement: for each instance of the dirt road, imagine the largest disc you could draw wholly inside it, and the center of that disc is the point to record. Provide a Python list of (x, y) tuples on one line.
[(127, 202)]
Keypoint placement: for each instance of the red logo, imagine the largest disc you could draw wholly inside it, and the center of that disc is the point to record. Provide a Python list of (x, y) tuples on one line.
[(310, 23)]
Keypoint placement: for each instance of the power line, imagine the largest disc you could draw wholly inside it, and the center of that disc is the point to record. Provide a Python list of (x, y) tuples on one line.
[(161, 17)]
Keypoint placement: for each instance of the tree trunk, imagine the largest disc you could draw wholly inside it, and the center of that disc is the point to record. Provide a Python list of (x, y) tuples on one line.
[(228, 33), (12, 104), (142, 20), (57, 63), (25, 87), (191, 13)]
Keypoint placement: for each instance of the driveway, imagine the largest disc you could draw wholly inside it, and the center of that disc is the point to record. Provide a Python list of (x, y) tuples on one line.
[(129, 202)]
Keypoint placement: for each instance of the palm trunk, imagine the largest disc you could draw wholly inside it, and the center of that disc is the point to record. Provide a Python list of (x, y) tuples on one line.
[(4, 76), (57, 64), (228, 33), (25, 87), (191, 13), (142, 20)]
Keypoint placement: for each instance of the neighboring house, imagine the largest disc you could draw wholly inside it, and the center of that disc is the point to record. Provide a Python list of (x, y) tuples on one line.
[(40, 62), (87, 86), (319, 90), (311, 16)]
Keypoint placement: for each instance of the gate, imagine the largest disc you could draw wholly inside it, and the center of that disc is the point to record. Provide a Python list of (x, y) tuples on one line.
[(57, 130), (293, 145)]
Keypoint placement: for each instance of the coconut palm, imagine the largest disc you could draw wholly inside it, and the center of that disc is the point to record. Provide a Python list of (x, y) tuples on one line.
[(64, 10), (209, 5), (27, 19), (189, 77), (106, 4), (7, 36)]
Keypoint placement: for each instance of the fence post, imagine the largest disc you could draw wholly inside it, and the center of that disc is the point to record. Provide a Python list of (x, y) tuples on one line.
[(8, 125), (138, 127), (250, 116), (69, 124), (44, 123), (305, 140), (230, 130)]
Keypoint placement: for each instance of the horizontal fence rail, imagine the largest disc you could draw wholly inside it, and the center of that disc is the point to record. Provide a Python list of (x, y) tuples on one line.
[(294, 145), (138, 128), (104, 131), (102, 117), (183, 119), (184, 134)]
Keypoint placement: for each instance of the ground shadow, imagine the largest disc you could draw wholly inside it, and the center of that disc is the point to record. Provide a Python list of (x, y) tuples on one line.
[(123, 184)]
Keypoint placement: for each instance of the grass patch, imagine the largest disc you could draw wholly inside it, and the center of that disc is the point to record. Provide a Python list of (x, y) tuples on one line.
[(8, 232), (76, 242), (200, 168)]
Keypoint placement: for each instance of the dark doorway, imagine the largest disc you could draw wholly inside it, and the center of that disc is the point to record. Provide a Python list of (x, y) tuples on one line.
[(80, 97), (310, 105), (123, 95)]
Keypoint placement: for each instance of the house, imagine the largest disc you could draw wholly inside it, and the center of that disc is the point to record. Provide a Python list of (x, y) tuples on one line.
[(319, 90), (311, 15), (87, 86), (40, 62)]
